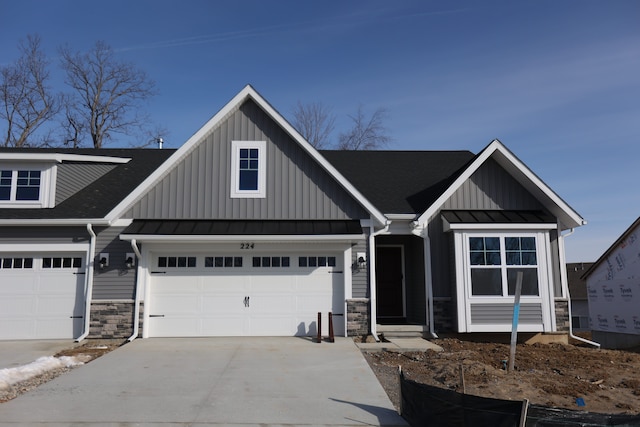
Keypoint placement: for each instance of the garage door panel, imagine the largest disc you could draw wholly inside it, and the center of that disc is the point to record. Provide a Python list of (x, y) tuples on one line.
[(38, 302), (249, 299)]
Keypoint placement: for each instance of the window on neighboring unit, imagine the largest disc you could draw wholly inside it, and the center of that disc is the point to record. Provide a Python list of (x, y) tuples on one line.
[(248, 169), (24, 187), (495, 261), (20, 185)]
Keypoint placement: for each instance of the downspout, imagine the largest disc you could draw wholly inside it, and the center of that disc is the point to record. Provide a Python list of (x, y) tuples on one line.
[(88, 283), (565, 285), (428, 280), (371, 264), (136, 308)]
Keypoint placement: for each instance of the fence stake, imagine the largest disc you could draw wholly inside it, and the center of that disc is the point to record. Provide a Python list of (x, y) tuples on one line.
[(514, 325), (319, 337), (331, 338), (523, 413)]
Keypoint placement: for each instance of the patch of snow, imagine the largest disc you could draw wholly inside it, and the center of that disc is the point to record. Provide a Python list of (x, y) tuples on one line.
[(10, 376)]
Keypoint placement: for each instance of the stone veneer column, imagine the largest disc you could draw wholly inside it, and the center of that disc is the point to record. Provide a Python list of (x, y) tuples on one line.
[(358, 316)]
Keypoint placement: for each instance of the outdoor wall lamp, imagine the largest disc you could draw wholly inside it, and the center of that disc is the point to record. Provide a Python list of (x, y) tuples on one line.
[(103, 260), (362, 259), (129, 261)]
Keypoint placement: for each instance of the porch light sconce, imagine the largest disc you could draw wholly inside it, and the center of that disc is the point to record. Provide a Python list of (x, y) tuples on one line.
[(361, 258), (130, 260), (103, 260)]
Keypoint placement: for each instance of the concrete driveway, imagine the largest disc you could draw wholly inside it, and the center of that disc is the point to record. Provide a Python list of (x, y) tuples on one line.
[(18, 353), (213, 381)]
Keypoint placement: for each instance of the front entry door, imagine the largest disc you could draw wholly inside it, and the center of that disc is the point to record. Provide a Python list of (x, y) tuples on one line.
[(389, 282)]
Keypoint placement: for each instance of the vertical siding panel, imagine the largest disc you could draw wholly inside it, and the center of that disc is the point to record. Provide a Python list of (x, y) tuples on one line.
[(297, 187)]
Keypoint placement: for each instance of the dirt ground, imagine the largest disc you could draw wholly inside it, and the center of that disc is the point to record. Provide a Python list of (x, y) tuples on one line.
[(553, 375)]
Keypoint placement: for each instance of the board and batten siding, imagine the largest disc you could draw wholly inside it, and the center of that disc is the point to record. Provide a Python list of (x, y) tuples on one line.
[(198, 186), (74, 176), (114, 282), (490, 188), (359, 276)]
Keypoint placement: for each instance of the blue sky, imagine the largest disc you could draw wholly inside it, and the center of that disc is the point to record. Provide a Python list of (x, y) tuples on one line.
[(556, 81)]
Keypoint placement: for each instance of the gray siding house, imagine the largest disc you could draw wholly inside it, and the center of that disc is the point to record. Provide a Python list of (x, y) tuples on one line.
[(247, 230)]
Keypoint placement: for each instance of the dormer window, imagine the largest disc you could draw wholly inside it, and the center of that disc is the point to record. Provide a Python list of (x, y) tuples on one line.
[(248, 169), (24, 187)]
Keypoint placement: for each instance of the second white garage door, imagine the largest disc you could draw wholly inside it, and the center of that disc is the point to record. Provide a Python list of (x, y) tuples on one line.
[(41, 296), (240, 295)]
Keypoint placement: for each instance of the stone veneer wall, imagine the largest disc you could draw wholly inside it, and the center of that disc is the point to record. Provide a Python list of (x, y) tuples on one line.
[(443, 315), (113, 319), (562, 315), (358, 315)]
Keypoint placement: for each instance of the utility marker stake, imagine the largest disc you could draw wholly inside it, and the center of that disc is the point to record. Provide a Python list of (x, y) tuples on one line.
[(514, 325)]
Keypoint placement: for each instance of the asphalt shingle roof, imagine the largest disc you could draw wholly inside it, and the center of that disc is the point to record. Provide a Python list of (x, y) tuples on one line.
[(102, 195), (400, 182)]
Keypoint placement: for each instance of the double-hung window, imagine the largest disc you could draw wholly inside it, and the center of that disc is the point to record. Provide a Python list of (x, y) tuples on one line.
[(248, 169), (494, 262), (23, 187)]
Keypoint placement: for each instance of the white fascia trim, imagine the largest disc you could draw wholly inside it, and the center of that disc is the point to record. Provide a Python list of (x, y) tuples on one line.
[(44, 247), (490, 150), (239, 238), (61, 157), (502, 227), (247, 92), (53, 222), (400, 217), (122, 222)]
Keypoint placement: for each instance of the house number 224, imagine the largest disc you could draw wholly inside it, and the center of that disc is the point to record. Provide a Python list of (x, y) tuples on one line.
[(247, 245)]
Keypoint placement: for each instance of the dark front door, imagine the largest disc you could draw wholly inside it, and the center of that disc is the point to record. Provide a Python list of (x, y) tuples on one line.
[(389, 289)]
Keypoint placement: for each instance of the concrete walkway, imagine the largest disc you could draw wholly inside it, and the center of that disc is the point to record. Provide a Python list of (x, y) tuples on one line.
[(212, 381)]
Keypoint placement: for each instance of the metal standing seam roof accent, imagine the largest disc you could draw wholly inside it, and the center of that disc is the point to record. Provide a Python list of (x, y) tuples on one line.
[(243, 227), (497, 217)]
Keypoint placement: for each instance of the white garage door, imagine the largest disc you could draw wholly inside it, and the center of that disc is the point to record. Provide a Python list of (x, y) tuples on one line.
[(41, 296), (240, 295)]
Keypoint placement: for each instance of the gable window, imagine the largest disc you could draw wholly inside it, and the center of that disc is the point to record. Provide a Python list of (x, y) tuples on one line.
[(24, 186), (248, 169)]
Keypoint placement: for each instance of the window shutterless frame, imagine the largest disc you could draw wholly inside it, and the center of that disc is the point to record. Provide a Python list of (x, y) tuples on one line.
[(248, 169)]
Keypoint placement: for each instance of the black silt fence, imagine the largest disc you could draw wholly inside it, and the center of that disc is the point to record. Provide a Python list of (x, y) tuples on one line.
[(424, 405)]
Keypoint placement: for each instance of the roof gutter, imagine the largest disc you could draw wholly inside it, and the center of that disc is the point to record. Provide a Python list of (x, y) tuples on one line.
[(565, 285), (136, 308), (88, 283), (54, 222)]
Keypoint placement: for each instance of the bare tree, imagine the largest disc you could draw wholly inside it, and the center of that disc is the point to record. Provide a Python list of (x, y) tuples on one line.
[(107, 95), (26, 101), (315, 122), (367, 133)]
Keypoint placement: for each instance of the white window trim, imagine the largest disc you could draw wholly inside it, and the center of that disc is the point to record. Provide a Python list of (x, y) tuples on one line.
[(47, 186), (463, 282), (260, 193)]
